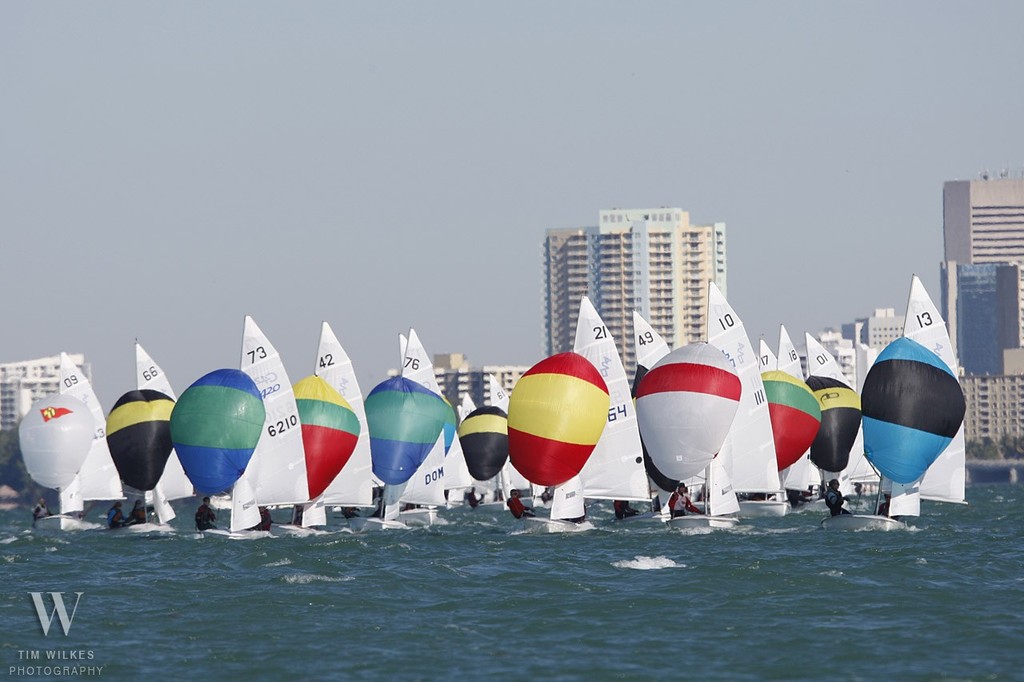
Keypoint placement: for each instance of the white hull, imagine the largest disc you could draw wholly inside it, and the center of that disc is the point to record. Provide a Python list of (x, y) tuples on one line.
[(541, 525), (418, 517), (147, 528), (364, 524), (699, 521), (861, 522), (234, 535), (62, 522), (759, 508)]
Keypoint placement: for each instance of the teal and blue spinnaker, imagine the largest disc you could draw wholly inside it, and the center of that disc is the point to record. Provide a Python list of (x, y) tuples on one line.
[(215, 426), (912, 407), (404, 420)]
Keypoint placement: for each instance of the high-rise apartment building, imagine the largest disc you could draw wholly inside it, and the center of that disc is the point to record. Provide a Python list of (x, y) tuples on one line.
[(651, 260), (23, 383)]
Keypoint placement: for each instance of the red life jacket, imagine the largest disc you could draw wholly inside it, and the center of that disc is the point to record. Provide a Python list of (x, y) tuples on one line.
[(515, 505)]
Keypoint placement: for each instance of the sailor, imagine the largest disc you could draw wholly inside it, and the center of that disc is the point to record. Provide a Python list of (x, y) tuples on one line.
[(138, 514), (680, 504), (516, 506), (115, 519), (205, 517), (40, 511), (623, 510), (265, 520), (834, 498)]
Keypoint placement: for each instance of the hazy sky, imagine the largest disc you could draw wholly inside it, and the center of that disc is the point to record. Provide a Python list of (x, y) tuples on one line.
[(169, 167)]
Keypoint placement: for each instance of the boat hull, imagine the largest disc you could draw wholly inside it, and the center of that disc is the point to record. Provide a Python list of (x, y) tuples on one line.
[(418, 517), (701, 521), (541, 525), (861, 522), (761, 508), (364, 524)]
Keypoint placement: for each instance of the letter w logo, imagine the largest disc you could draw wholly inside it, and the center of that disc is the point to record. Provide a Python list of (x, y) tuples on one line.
[(58, 607)]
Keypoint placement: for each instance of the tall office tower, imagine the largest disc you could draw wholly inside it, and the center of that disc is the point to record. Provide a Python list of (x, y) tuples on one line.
[(983, 220), (983, 307), (651, 260), (982, 225)]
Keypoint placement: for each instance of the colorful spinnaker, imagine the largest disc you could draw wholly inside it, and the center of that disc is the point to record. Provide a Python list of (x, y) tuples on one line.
[(912, 408), (215, 426), (484, 437), (556, 415), (330, 430), (139, 437), (685, 405), (840, 423), (405, 420), (795, 415), (55, 436)]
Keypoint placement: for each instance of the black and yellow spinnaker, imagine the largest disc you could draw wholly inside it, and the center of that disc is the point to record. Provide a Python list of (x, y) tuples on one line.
[(139, 437)]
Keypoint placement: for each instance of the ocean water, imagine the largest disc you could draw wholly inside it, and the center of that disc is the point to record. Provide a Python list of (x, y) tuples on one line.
[(476, 597)]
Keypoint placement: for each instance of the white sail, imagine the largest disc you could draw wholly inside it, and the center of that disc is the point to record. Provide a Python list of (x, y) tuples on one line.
[(945, 479), (721, 497), (278, 465), (802, 473), (752, 462), (650, 346), (244, 511), (354, 485), (466, 407), (98, 477), (427, 484), (821, 363), (417, 366), (173, 483), (498, 395), (766, 358), (788, 360), (567, 502), (615, 469)]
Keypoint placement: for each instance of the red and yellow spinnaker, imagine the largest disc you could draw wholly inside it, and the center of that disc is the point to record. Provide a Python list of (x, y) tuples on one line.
[(795, 415), (330, 430), (556, 415)]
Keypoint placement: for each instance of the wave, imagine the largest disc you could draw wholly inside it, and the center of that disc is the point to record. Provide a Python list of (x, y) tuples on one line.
[(646, 563)]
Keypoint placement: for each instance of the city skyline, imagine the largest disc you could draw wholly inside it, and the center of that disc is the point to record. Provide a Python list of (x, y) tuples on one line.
[(168, 169)]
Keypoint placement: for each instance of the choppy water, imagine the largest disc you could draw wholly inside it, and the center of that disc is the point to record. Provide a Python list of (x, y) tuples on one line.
[(776, 599)]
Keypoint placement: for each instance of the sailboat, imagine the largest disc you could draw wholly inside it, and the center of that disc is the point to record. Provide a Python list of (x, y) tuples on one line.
[(615, 469), (173, 484), (913, 408), (55, 437), (651, 347), (685, 406), (277, 471), (444, 468), (139, 438), (353, 487), (97, 479), (556, 416), (801, 475), (749, 449)]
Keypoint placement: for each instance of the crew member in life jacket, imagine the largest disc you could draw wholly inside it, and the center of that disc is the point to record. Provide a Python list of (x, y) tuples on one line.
[(516, 506), (41, 511), (205, 517), (265, 520), (834, 498), (115, 519), (623, 510), (138, 514), (680, 504)]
